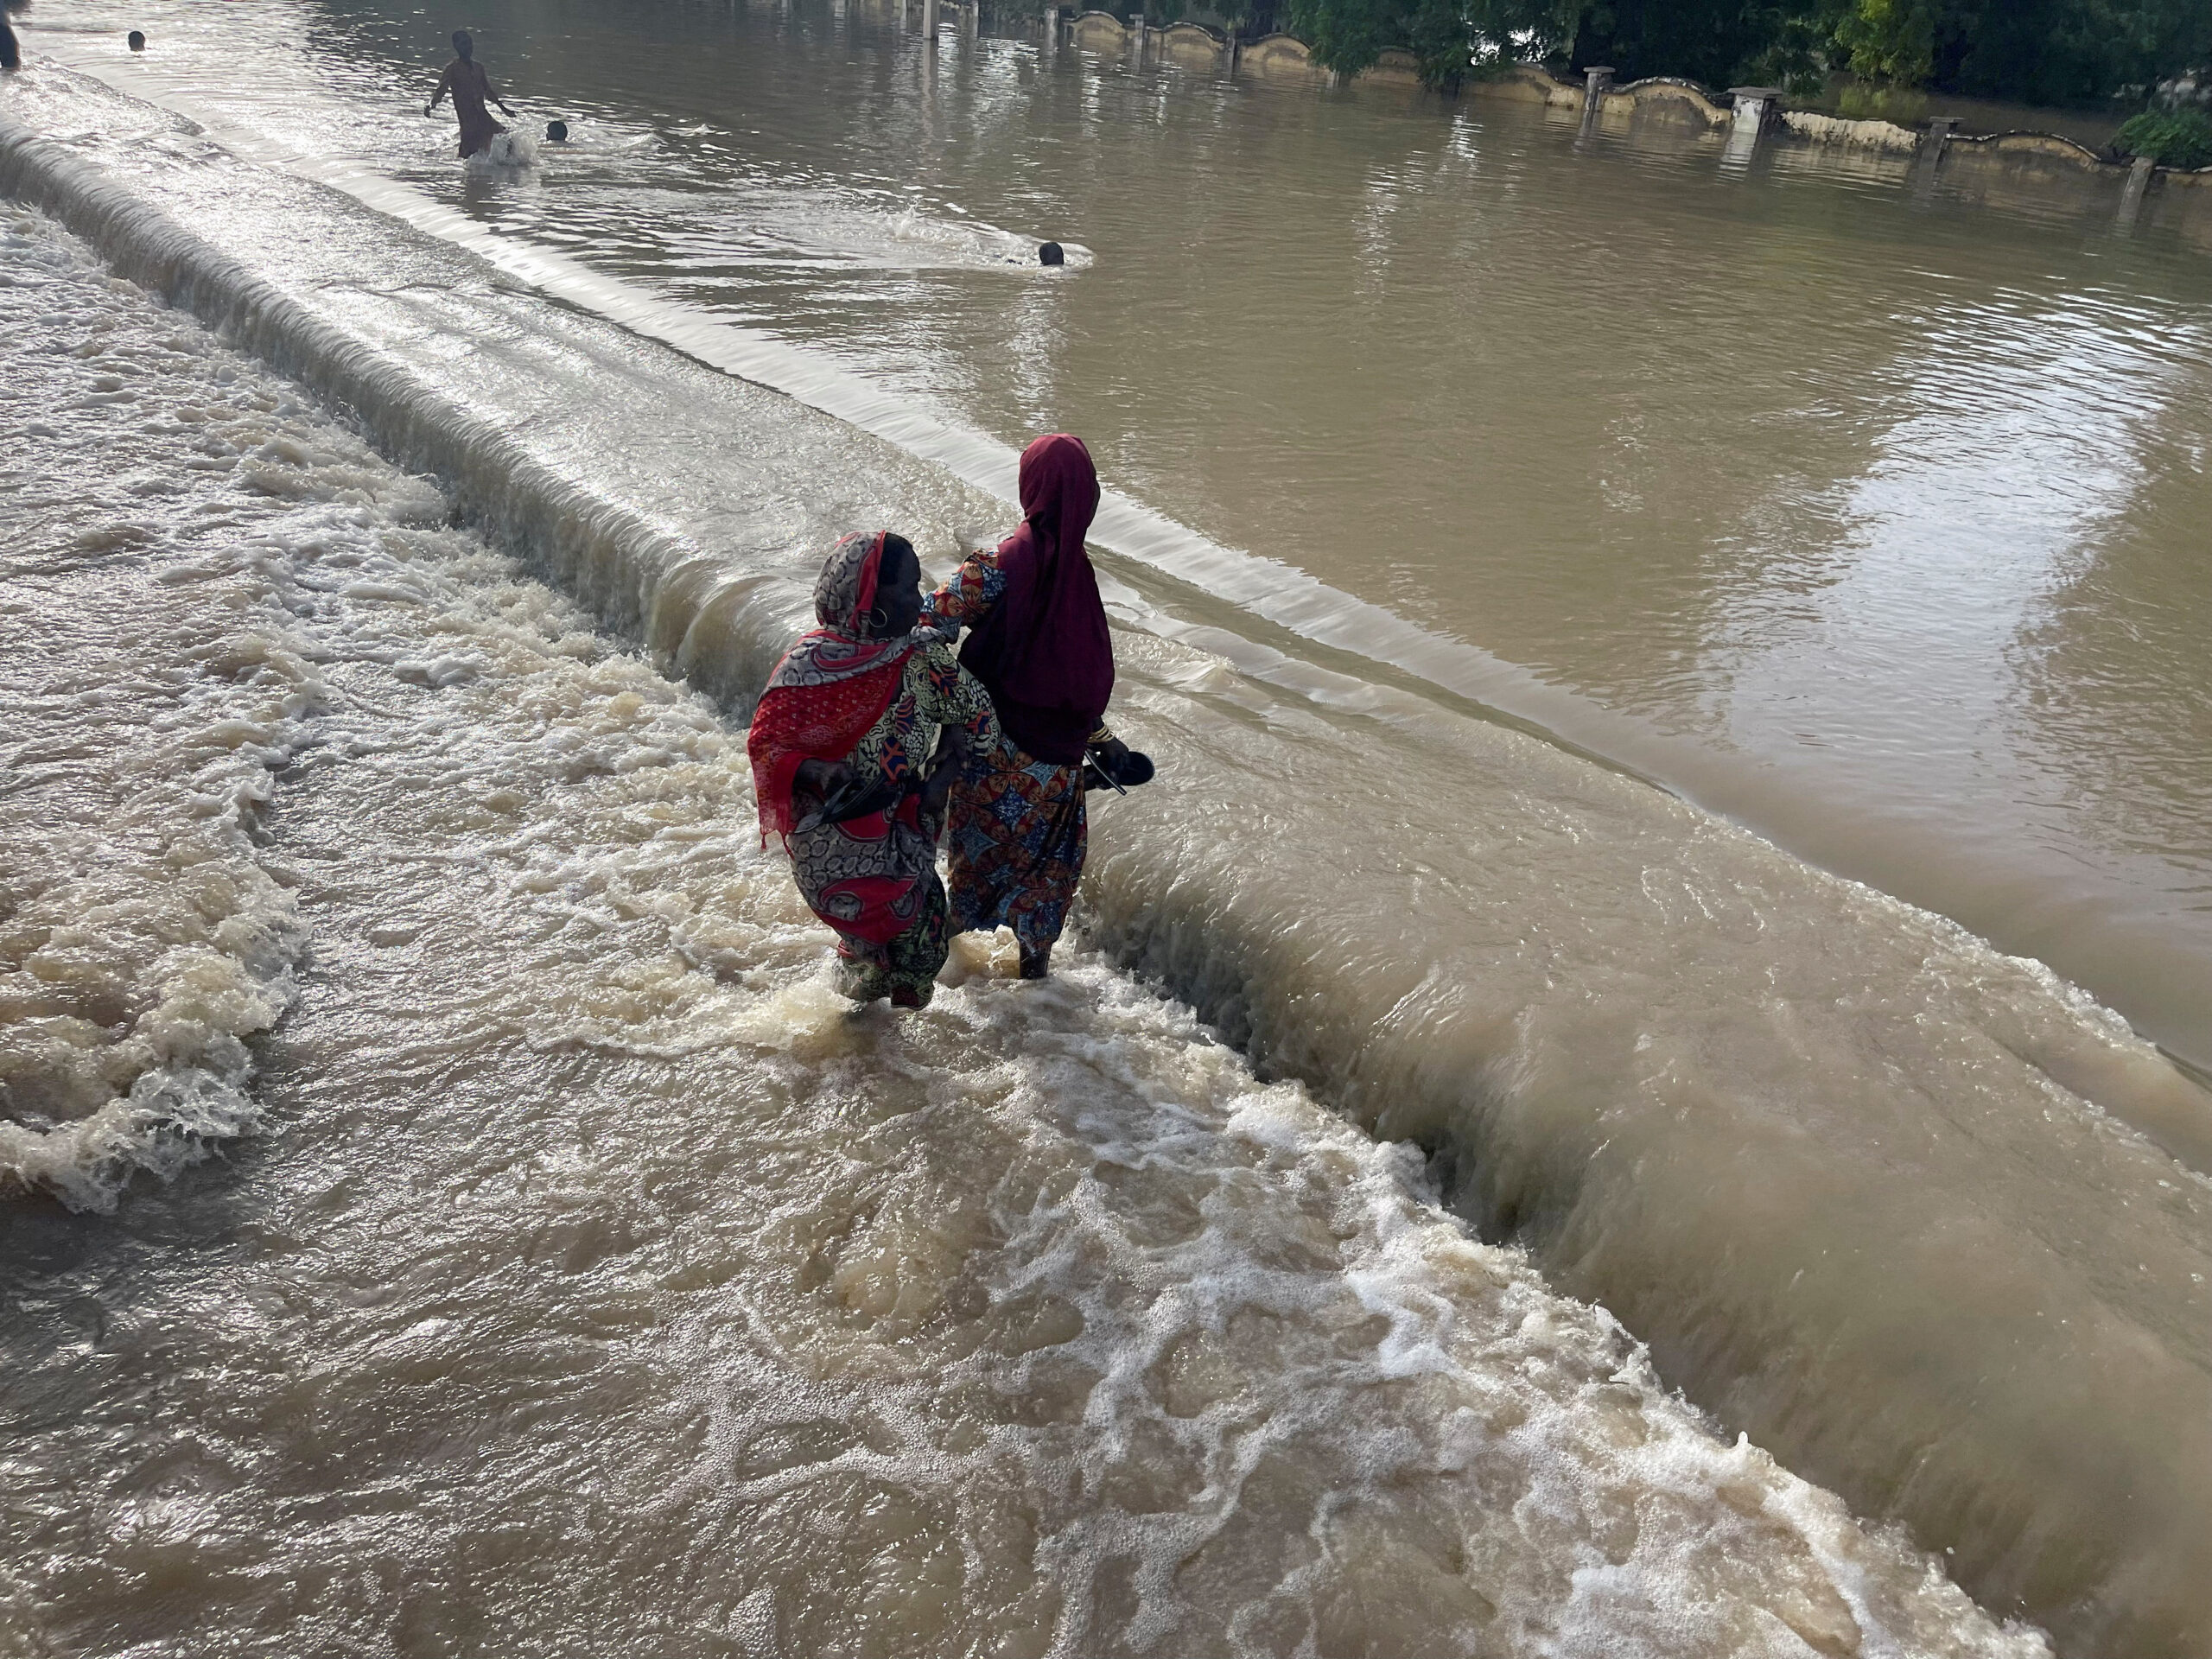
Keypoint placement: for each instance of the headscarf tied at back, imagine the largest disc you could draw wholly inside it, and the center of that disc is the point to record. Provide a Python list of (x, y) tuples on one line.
[(830, 688), (1043, 652)]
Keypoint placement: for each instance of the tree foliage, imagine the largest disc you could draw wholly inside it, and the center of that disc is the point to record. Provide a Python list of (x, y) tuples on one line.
[(2170, 137), (1449, 39), (2036, 51)]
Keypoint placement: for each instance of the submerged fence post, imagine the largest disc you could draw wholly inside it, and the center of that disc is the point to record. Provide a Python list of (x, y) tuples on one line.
[(2130, 197), (1597, 81), (1940, 128), (1754, 108)]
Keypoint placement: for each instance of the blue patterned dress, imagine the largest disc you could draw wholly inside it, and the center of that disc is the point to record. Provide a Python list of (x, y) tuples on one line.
[(1016, 831)]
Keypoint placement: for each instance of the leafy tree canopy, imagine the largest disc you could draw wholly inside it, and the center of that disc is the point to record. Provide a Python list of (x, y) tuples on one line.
[(2035, 51)]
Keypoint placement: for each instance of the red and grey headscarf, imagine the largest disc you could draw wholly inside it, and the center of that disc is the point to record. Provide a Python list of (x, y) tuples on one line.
[(832, 687)]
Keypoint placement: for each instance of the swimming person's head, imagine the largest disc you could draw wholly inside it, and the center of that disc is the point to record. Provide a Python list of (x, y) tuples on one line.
[(135, 41), (1051, 254), (557, 131), (463, 45)]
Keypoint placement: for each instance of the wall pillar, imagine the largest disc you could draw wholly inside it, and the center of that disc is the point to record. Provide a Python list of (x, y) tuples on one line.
[(1235, 43), (2130, 197), (1136, 37), (1756, 108), (1932, 146), (1597, 81)]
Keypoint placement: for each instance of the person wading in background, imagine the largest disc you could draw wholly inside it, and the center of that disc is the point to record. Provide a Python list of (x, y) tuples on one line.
[(465, 79), (1018, 831)]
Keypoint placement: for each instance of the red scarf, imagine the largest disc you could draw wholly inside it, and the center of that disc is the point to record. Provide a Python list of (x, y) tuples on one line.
[(830, 688)]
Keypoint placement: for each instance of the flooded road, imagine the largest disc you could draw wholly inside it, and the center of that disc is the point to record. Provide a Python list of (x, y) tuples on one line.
[(570, 1272), (1869, 520)]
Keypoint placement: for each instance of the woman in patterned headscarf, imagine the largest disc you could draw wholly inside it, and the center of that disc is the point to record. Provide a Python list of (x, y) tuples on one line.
[(854, 745), (1038, 642)]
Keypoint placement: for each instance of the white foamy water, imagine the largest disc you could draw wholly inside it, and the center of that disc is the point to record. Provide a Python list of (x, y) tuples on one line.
[(1923, 1220), (140, 940), (600, 1280)]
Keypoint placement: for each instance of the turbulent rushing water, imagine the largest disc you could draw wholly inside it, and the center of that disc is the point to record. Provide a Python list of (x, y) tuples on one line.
[(597, 1284)]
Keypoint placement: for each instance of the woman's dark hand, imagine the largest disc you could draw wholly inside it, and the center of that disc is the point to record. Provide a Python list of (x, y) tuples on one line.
[(945, 767), (824, 777), (1111, 753), (937, 789)]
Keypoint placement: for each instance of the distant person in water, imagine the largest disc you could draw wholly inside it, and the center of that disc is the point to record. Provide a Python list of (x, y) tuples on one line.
[(857, 743), (556, 132), (11, 56), (135, 41), (1017, 833), (471, 88), (1051, 254)]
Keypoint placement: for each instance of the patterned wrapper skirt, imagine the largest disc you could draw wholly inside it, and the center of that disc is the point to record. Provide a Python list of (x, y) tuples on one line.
[(873, 880), (1017, 836)]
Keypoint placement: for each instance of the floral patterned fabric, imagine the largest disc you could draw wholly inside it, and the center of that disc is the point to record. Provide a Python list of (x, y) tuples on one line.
[(869, 877), (875, 705), (1016, 831), (830, 688)]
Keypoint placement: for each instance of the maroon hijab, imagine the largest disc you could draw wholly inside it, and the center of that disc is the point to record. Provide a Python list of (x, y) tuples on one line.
[(1043, 652)]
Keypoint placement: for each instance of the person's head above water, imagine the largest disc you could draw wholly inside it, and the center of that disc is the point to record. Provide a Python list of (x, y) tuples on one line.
[(556, 131), (463, 45), (135, 41), (1051, 254)]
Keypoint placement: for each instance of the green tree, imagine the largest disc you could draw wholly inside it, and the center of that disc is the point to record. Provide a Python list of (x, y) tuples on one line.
[(1449, 39), (1888, 40), (2034, 51), (2170, 137), (2076, 51), (1717, 42)]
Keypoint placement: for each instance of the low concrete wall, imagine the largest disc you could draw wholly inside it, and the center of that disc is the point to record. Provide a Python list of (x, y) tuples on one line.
[(1862, 134), (2041, 146), (1282, 57), (1188, 43), (1099, 30), (1393, 69), (1525, 83), (2006, 169), (1272, 57), (1668, 97)]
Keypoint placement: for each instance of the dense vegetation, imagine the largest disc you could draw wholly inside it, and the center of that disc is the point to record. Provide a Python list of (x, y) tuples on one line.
[(2170, 137), (2035, 51)]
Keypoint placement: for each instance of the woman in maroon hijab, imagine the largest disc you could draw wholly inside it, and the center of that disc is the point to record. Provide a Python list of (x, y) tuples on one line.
[(1038, 642)]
